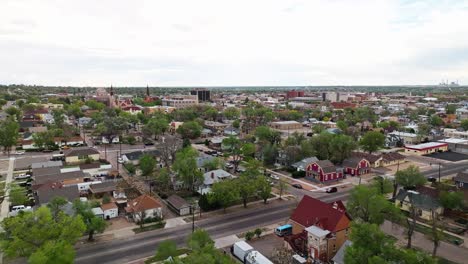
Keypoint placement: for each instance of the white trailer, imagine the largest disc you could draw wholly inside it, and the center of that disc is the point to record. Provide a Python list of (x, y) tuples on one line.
[(241, 249)]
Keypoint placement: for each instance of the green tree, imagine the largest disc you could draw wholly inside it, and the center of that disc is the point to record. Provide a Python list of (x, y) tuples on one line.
[(246, 187), (263, 187), (410, 177), (44, 140), (266, 134), (436, 121), (14, 113), (450, 109), (8, 134), (269, 154), (156, 126), (213, 164), (258, 232), (190, 130), (94, 224), (224, 193), (341, 147), (371, 246), (147, 164), (231, 113), (37, 233), (53, 252), (163, 179), (382, 185), (281, 187), (59, 117), (17, 194), (372, 141), (369, 206), (186, 168), (56, 206), (95, 105), (464, 124), (451, 200), (342, 125), (199, 239), (166, 249)]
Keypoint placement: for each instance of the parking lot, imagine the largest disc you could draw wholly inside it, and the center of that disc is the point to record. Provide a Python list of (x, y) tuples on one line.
[(449, 156), (267, 244)]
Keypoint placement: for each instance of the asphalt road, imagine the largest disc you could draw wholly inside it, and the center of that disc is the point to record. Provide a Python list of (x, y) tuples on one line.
[(145, 244), (446, 169)]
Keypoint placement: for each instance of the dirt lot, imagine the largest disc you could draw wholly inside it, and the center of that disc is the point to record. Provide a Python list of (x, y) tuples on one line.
[(267, 244)]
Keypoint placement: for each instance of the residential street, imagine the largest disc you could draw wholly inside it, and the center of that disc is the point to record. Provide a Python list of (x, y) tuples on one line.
[(144, 245)]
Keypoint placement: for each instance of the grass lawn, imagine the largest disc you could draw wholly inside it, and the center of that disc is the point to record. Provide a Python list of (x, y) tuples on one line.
[(149, 227), (447, 237), (180, 251)]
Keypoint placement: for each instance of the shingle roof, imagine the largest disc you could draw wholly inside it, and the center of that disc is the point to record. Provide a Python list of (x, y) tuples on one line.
[(419, 200), (80, 152), (58, 177), (142, 203), (103, 187), (392, 156), (311, 211), (37, 172), (352, 162), (45, 195), (326, 165), (370, 157), (108, 206), (303, 163), (177, 201)]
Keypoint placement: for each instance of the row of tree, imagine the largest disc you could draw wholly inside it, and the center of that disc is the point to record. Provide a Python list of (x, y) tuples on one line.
[(47, 235)]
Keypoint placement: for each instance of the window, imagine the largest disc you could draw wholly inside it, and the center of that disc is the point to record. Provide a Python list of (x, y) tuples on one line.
[(419, 212)]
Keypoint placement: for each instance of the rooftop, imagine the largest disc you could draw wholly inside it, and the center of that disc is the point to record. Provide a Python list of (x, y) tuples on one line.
[(426, 145)]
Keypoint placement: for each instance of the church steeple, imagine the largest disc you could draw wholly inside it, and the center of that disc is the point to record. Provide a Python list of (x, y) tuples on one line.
[(147, 91), (111, 91)]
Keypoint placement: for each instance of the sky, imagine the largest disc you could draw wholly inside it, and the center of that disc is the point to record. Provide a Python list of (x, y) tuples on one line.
[(232, 43)]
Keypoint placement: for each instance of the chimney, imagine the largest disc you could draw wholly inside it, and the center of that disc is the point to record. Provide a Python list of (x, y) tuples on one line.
[(212, 175), (335, 205)]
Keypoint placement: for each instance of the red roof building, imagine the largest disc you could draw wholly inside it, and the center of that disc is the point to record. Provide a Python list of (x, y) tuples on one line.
[(319, 228)]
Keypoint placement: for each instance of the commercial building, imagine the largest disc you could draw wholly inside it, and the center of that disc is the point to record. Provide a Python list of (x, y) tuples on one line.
[(180, 101), (426, 148), (203, 95), (286, 125), (294, 94)]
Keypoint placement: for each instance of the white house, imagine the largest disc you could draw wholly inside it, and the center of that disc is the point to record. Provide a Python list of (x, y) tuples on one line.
[(110, 210), (143, 206), (212, 177)]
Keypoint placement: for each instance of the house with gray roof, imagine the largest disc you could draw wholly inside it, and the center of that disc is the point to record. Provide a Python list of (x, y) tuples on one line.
[(212, 177), (301, 165), (424, 199)]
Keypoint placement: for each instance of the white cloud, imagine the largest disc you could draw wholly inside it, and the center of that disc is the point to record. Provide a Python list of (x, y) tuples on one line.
[(269, 42)]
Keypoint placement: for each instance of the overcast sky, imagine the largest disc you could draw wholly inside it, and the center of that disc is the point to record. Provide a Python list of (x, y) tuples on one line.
[(196, 42)]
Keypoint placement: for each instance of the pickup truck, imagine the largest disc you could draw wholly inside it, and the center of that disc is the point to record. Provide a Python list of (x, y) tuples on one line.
[(18, 208)]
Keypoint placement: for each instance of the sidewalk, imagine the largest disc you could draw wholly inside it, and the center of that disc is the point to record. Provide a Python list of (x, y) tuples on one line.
[(445, 250), (5, 208), (315, 187)]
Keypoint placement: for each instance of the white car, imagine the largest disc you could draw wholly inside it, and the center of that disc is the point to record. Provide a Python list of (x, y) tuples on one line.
[(120, 160), (18, 208), (20, 152), (274, 177), (22, 176)]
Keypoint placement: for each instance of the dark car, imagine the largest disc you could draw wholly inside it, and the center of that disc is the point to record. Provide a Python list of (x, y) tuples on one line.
[(331, 190), (432, 179), (148, 143), (297, 185)]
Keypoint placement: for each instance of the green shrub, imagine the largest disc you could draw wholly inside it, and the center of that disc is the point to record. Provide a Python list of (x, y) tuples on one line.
[(298, 174), (249, 235), (258, 232)]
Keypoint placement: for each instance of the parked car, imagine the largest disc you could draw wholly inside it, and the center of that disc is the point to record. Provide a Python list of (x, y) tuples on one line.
[(18, 208), (274, 177), (331, 190), (431, 179), (296, 185), (22, 176), (148, 143), (20, 152), (120, 160)]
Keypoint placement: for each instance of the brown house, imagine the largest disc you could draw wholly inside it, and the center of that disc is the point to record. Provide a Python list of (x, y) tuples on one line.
[(319, 228)]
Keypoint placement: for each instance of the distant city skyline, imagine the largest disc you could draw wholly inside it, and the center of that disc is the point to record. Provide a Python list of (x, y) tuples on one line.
[(233, 43)]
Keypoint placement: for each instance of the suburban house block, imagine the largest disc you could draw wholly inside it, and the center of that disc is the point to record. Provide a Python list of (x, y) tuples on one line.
[(319, 228), (381, 160), (179, 205), (323, 170), (424, 199), (426, 148), (143, 207), (81, 155), (110, 210), (356, 166), (301, 165)]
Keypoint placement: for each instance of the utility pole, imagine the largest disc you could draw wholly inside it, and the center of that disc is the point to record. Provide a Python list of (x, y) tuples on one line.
[(118, 154), (439, 172), (105, 151)]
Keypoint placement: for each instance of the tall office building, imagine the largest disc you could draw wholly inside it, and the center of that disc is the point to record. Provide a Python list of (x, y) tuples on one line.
[(202, 94)]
